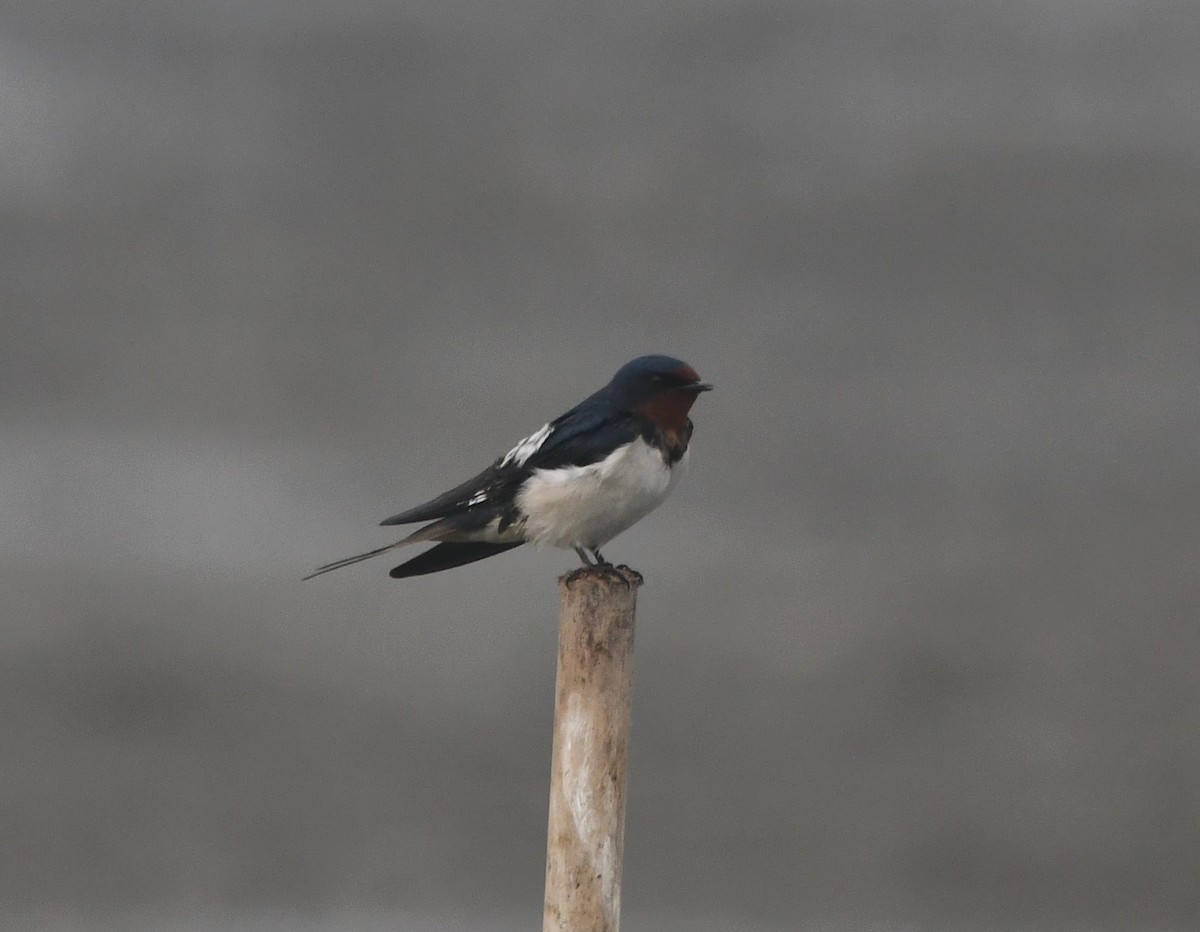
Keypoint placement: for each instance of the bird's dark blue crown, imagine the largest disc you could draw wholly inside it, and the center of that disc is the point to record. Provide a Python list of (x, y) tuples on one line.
[(647, 376)]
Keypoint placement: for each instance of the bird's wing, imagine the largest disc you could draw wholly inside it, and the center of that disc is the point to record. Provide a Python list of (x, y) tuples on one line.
[(478, 490), (587, 435), (583, 435)]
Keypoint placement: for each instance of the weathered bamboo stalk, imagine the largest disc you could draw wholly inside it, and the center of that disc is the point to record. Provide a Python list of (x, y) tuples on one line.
[(590, 758)]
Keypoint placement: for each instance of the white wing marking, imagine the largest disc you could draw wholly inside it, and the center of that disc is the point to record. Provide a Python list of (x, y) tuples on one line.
[(527, 447)]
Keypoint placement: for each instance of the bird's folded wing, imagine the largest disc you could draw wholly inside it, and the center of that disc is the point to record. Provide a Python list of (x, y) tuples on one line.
[(580, 437), (585, 438), (478, 490)]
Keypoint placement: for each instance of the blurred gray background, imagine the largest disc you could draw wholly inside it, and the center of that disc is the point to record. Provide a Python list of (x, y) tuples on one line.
[(918, 648)]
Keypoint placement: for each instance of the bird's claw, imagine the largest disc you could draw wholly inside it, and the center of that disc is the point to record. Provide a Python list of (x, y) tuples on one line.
[(625, 574)]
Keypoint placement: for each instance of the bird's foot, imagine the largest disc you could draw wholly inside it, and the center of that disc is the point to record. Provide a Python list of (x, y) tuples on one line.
[(629, 574), (601, 567), (596, 558)]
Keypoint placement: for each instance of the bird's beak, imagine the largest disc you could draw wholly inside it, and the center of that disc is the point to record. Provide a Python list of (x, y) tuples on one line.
[(696, 387)]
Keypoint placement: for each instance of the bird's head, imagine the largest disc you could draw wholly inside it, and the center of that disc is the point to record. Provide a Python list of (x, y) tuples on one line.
[(661, 387)]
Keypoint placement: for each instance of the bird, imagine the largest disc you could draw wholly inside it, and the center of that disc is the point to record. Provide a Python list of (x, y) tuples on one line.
[(574, 483)]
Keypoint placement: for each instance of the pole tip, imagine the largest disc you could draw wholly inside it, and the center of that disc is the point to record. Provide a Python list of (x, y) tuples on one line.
[(622, 575)]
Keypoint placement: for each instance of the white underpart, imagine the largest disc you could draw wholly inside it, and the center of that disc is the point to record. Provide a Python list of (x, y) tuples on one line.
[(527, 447), (587, 506)]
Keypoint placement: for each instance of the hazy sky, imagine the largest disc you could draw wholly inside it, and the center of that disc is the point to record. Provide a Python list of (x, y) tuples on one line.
[(918, 648)]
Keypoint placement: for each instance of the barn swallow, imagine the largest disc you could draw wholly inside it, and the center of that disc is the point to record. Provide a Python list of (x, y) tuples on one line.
[(577, 482)]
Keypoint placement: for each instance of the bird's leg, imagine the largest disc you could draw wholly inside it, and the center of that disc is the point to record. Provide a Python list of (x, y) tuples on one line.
[(583, 556), (600, 561)]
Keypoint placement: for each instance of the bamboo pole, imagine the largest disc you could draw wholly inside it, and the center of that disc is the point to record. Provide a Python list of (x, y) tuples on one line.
[(585, 839)]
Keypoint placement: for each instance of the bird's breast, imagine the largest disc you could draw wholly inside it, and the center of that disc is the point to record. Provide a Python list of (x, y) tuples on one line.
[(589, 505)]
